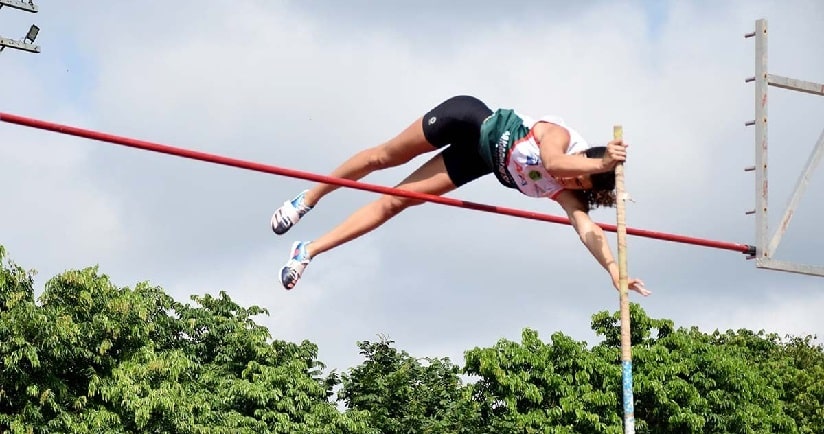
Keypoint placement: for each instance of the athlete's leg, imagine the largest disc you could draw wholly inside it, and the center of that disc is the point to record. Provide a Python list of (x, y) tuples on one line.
[(457, 119), (398, 150), (407, 145), (430, 178)]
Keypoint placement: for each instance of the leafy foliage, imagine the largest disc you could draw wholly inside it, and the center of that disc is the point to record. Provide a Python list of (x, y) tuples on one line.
[(686, 381), (92, 357), (404, 395), (89, 356), (530, 386)]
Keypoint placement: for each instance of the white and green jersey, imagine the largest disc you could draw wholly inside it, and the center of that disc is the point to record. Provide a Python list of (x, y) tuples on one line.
[(509, 147)]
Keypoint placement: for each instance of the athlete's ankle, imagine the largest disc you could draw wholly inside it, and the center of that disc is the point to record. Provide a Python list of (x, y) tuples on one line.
[(310, 198), (311, 250)]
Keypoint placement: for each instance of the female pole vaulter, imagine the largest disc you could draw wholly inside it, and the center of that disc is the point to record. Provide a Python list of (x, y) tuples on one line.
[(542, 158)]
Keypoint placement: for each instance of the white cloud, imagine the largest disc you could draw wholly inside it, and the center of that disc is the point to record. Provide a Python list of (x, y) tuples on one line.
[(794, 313)]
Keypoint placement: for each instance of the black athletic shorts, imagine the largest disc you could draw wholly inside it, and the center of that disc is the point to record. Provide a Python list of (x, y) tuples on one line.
[(457, 122)]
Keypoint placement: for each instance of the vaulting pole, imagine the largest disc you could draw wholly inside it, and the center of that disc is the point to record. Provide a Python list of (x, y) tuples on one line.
[(626, 342)]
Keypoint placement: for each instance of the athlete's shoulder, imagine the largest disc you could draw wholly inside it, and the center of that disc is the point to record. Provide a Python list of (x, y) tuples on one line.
[(577, 143), (553, 124)]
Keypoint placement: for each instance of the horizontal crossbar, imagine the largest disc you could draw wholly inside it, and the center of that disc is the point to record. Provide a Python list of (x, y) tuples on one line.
[(217, 159)]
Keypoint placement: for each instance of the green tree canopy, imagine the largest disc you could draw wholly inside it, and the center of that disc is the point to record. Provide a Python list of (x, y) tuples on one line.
[(684, 381), (93, 357), (405, 395), (87, 356)]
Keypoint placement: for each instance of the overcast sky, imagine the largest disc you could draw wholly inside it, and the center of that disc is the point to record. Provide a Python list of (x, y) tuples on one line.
[(304, 84)]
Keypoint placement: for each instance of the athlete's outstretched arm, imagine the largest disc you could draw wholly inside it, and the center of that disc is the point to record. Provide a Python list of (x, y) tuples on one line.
[(594, 239), (553, 141)]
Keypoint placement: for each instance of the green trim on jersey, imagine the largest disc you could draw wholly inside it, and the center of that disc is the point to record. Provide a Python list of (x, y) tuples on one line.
[(498, 132)]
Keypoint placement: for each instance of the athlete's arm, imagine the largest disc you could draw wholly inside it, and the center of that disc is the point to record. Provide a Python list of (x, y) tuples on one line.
[(553, 141), (591, 234), (593, 237)]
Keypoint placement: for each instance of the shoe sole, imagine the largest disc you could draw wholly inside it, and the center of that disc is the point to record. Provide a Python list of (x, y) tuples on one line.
[(274, 223), (289, 258)]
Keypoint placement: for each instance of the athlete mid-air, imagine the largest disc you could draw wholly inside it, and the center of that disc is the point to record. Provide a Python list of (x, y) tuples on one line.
[(540, 158)]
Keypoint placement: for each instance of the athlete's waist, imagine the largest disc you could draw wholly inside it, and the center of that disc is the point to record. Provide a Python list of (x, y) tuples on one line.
[(498, 131)]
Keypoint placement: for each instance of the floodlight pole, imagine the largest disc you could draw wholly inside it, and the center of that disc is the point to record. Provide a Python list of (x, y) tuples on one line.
[(623, 291), (28, 6), (27, 43)]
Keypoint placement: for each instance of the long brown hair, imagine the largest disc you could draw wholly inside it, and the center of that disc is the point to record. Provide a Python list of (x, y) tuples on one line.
[(602, 193)]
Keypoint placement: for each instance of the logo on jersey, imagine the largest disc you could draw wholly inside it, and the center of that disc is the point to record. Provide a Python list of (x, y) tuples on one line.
[(432, 120), (532, 160), (503, 141), (534, 175), (501, 147)]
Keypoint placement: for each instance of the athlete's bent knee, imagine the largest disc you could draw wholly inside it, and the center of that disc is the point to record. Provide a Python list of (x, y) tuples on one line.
[(381, 158), (394, 205)]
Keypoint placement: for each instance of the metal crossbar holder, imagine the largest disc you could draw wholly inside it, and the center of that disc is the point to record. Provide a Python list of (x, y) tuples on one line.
[(790, 267), (793, 84)]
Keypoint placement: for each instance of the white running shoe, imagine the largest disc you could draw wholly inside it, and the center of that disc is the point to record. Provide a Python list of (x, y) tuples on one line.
[(289, 214), (298, 260)]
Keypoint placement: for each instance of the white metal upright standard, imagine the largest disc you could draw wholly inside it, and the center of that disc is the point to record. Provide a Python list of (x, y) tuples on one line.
[(766, 245)]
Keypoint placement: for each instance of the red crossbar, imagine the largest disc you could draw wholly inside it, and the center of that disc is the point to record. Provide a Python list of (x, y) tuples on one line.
[(258, 167)]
